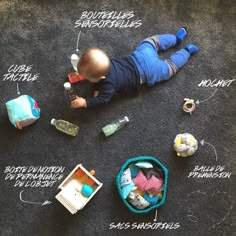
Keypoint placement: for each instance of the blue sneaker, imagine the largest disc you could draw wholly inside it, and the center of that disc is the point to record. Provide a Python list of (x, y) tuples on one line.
[(181, 34), (192, 49)]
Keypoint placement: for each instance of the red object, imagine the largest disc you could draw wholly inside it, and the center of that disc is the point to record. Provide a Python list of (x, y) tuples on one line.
[(74, 77), (90, 182), (80, 172), (19, 126)]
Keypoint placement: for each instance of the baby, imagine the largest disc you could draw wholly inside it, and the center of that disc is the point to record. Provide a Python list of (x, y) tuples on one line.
[(127, 74)]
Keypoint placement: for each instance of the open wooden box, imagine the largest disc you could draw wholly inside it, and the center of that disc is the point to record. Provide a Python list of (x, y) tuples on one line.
[(70, 195)]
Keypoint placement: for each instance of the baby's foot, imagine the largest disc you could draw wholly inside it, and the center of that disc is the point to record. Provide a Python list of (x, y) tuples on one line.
[(192, 49), (181, 34)]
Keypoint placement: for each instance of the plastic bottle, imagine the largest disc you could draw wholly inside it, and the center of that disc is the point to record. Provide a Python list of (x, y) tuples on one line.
[(70, 91), (74, 59), (114, 126), (65, 127)]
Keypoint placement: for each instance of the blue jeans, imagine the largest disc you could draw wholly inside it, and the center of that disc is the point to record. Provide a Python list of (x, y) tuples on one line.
[(151, 68)]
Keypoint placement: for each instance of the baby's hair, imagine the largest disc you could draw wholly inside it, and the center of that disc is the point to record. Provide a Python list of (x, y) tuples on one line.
[(94, 62)]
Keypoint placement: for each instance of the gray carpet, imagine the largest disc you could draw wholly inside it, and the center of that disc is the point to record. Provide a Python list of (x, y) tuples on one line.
[(43, 34)]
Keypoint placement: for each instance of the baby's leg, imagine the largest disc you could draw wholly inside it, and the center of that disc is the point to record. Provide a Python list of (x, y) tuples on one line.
[(159, 70), (163, 42), (179, 58)]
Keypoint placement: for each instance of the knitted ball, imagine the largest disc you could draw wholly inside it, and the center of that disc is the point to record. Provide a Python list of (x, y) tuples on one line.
[(185, 145)]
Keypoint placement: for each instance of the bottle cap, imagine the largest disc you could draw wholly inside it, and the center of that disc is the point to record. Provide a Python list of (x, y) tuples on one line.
[(74, 57), (67, 85), (126, 118), (53, 121)]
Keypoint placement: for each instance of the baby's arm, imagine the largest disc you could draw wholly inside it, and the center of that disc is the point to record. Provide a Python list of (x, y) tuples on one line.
[(103, 96), (81, 102)]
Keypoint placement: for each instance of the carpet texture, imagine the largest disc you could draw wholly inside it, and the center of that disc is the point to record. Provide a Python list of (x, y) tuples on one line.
[(43, 34)]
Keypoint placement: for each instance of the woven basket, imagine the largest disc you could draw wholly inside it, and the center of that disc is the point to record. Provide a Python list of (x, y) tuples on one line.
[(165, 182)]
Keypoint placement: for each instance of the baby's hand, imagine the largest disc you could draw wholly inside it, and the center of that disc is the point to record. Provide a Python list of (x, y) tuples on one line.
[(78, 102), (96, 93)]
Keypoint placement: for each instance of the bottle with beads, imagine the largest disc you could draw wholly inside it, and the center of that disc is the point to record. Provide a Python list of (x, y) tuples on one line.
[(115, 126), (65, 127), (70, 91)]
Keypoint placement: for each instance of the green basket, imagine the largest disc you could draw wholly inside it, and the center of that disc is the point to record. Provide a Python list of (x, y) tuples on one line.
[(165, 181)]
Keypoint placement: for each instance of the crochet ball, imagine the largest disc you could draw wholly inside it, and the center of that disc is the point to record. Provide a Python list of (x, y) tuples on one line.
[(185, 145)]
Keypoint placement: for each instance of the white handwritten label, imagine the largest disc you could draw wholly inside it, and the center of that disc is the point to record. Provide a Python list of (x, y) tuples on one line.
[(20, 73), (34, 176), (216, 83), (144, 225), (107, 19), (213, 172)]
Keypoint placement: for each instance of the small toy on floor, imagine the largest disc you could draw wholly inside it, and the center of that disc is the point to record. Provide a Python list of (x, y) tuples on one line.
[(75, 77), (185, 145), (142, 184), (141, 191), (189, 106), (74, 194), (23, 111), (65, 127), (115, 126)]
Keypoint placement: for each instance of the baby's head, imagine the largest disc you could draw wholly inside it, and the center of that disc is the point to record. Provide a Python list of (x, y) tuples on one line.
[(94, 65)]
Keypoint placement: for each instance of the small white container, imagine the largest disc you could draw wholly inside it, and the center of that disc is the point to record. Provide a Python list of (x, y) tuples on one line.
[(70, 195), (74, 59)]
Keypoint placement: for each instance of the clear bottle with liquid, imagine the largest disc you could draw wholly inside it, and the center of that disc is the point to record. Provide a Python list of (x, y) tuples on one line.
[(65, 127), (115, 126), (70, 91)]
